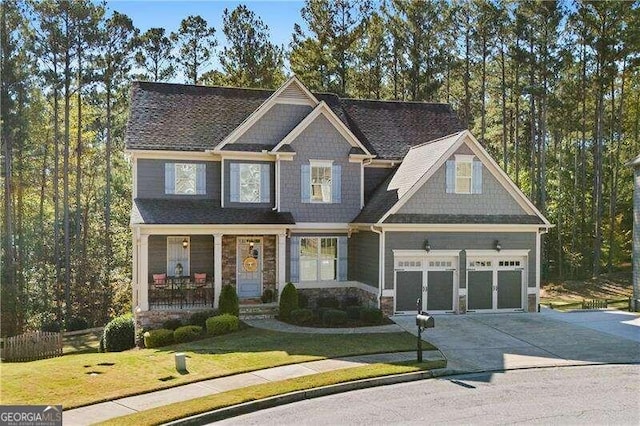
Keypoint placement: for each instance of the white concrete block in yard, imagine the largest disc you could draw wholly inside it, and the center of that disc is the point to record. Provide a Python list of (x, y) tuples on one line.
[(181, 361)]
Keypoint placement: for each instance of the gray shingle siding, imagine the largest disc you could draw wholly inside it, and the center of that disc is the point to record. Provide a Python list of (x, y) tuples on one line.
[(274, 125), (320, 141), (364, 258), (151, 180), (459, 241), (227, 181), (433, 199)]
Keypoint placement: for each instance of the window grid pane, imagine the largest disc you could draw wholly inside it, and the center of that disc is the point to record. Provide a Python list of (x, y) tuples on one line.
[(318, 258), (463, 177), (321, 183), (185, 179), (249, 183)]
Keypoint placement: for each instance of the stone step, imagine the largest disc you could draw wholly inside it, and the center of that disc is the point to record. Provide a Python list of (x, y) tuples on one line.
[(262, 311)]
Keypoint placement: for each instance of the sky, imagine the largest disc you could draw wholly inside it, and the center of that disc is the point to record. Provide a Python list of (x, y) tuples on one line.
[(280, 16)]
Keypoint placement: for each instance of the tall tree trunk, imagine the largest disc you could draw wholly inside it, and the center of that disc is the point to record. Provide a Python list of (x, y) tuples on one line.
[(597, 180), (467, 74), (43, 293), (483, 92), (583, 149), (107, 204), (65, 179), (503, 89), (78, 220)]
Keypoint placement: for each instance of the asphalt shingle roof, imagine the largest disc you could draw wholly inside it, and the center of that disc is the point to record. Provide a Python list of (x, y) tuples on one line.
[(202, 212), (195, 118)]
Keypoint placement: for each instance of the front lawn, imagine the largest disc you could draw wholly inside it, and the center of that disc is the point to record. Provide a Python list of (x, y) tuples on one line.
[(204, 404), (81, 379)]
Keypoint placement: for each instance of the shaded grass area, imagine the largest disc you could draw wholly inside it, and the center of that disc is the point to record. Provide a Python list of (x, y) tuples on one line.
[(86, 378), (252, 393), (613, 286), (82, 343)]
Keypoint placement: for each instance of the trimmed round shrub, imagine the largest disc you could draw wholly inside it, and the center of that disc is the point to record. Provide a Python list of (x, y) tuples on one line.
[(77, 323), (372, 316), (328, 302), (158, 338), (119, 334), (351, 301), (268, 296), (101, 346), (200, 318), (320, 312), (288, 301), (353, 312), (303, 300), (301, 316), (229, 301), (172, 324), (333, 317), (187, 333), (222, 324)]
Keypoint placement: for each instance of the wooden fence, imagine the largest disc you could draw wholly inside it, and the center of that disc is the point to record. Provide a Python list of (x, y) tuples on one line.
[(32, 346), (594, 304)]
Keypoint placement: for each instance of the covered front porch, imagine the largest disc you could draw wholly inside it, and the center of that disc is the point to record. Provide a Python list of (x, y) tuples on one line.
[(183, 268)]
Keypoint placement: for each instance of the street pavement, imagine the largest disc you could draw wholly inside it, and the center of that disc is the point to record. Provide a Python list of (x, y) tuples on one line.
[(603, 394)]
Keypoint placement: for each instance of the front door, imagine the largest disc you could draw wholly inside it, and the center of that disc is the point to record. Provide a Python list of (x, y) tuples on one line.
[(249, 267)]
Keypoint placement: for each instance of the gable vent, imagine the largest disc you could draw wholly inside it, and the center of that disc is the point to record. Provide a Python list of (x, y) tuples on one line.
[(293, 93)]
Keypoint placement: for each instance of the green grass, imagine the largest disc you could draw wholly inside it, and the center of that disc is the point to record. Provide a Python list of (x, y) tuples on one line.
[(86, 378), (82, 343), (201, 405)]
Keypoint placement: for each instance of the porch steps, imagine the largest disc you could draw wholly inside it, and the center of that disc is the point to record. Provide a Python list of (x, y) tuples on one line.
[(258, 311)]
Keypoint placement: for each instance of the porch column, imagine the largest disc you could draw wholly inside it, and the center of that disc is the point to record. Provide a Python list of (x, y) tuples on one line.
[(217, 268), (281, 253), (134, 271), (143, 273)]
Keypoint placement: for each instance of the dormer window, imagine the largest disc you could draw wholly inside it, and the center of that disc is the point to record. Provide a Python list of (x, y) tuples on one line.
[(321, 178), (464, 174), (185, 178)]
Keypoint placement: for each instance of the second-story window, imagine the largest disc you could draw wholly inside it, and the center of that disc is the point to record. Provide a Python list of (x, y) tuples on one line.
[(463, 175), (185, 178), (250, 183), (321, 178)]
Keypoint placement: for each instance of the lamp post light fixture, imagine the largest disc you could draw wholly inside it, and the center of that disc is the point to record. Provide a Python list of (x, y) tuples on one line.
[(497, 245)]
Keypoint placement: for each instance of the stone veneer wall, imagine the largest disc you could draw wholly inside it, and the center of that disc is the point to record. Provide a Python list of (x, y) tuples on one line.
[(386, 305), (366, 298), (269, 261), (147, 320)]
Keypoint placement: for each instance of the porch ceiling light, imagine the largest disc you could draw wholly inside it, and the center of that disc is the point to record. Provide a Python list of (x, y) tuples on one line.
[(497, 245), (185, 243), (427, 246)]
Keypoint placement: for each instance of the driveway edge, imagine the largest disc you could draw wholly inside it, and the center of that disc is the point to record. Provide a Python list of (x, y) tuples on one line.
[(274, 401)]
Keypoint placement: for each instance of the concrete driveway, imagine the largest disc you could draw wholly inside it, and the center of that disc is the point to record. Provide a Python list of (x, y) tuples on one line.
[(488, 342)]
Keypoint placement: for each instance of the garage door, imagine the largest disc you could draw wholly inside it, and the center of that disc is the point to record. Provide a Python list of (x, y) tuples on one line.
[(409, 290), (428, 276), (495, 283)]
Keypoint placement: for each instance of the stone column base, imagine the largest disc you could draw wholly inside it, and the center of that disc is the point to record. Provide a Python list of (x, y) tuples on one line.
[(462, 304), (531, 303), (386, 305)]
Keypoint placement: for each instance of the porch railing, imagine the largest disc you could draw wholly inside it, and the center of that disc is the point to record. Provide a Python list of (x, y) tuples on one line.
[(180, 293)]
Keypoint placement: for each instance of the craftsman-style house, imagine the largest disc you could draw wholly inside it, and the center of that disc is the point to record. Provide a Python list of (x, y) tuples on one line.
[(386, 201)]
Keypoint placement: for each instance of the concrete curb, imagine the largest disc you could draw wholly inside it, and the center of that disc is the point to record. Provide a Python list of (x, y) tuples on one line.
[(274, 401)]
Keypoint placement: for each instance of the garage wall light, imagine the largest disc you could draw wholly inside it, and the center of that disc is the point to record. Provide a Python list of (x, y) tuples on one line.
[(427, 246), (185, 243), (497, 245)]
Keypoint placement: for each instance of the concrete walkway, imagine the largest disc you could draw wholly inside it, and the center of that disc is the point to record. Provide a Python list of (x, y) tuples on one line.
[(275, 325), (121, 407)]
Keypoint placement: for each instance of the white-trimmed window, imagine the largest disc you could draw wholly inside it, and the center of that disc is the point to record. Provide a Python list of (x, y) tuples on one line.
[(178, 253), (250, 182), (318, 258), (185, 178), (321, 177), (464, 174)]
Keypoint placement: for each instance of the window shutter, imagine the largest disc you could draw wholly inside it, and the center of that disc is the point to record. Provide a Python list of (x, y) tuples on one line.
[(451, 177), (305, 183), (265, 183), (295, 260), (234, 182), (336, 184), (342, 258), (169, 178), (477, 178), (201, 178)]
